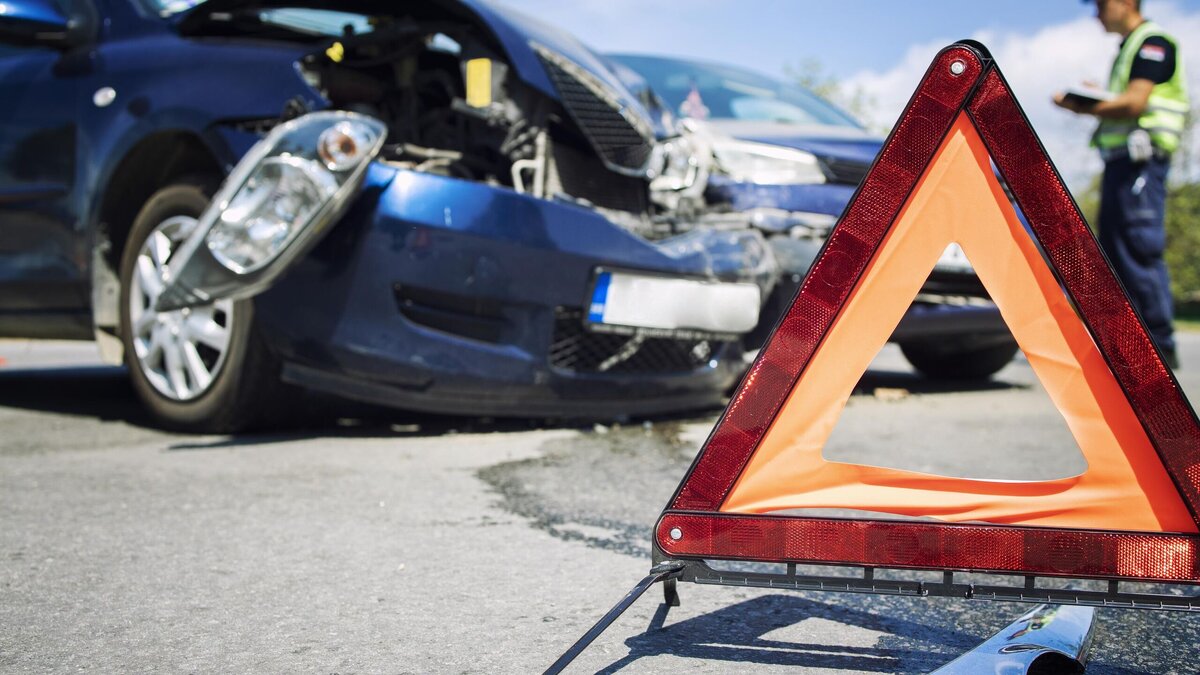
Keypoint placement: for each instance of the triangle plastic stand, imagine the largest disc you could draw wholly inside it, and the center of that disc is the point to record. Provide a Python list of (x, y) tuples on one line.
[(1133, 515)]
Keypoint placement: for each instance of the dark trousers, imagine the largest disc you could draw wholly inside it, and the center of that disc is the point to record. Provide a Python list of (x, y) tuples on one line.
[(1132, 207)]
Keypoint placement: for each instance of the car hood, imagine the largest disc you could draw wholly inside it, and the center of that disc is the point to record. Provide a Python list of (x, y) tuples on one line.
[(843, 143), (516, 33)]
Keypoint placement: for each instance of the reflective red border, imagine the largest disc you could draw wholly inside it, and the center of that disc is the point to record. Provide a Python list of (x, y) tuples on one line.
[(1005, 549)]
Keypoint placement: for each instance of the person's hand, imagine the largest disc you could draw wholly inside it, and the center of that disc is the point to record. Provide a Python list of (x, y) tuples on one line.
[(1073, 104), (1061, 100)]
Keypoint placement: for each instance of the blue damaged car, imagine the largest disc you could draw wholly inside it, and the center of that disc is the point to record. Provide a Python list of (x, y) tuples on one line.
[(439, 205), (791, 161)]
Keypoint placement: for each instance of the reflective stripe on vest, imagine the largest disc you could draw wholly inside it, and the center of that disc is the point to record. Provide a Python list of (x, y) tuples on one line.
[(1166, 111)]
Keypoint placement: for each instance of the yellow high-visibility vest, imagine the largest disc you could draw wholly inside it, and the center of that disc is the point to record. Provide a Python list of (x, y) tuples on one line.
[(1166, 112)]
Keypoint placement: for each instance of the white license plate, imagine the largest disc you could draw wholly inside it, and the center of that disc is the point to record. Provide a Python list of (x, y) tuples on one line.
[(954, 260), (669, 304)]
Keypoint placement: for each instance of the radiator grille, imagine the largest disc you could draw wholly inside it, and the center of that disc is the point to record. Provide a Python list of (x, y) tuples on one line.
[(578, 350), (621, 140), (582, 175)]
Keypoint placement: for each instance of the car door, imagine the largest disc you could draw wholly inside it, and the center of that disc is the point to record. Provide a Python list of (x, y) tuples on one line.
[(43, 254)]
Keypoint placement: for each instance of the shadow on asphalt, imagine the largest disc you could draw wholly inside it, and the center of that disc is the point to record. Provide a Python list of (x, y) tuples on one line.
[(379, 425), (104, 393), (740, 633)]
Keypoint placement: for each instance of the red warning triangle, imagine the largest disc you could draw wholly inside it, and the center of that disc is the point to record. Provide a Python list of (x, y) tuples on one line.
[(1133, 514)]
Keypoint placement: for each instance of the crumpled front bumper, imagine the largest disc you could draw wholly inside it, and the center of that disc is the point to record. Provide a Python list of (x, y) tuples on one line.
[(444, 295)]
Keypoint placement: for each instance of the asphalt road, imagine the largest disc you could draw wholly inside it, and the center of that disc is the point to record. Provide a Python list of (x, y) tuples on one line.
[(395, 543)]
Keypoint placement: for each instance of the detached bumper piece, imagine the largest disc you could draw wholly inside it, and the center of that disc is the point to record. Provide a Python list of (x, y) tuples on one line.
[(1048, 639)]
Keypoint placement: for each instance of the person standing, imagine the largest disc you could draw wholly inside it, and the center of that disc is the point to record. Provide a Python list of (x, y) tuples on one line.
[(1141, 124)]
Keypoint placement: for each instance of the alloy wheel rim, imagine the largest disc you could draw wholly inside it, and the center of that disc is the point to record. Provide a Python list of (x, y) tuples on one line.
[(180, 352)]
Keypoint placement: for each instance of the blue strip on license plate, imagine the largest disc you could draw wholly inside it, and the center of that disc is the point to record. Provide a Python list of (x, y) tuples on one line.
[(599, 298)]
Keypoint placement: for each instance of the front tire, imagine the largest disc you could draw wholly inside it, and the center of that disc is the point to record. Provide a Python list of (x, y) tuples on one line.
[(201, 369), (942, 361)]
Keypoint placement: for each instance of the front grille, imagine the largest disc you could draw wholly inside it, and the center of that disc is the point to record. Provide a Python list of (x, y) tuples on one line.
[(845, 171), (582, 175), (613, 134), (578, 350)]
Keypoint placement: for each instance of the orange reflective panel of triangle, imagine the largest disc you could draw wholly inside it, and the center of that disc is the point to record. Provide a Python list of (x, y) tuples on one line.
[(959, 199)]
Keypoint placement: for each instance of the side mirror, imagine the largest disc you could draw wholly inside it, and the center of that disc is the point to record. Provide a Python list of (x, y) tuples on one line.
[(39, 22)]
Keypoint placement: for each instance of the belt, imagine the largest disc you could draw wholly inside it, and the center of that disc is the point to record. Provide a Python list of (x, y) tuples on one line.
[(1113, 154)]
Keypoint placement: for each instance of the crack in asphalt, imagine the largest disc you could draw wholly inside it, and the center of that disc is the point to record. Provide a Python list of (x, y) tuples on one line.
[(634, 469)]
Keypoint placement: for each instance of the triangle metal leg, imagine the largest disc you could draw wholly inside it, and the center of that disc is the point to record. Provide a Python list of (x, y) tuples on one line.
[(667, 572)]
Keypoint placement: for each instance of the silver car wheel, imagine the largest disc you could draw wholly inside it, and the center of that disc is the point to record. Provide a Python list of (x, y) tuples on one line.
[(180, 352)]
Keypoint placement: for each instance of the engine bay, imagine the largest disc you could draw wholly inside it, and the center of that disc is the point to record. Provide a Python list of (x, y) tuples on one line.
[(414, 77), (454, 106)]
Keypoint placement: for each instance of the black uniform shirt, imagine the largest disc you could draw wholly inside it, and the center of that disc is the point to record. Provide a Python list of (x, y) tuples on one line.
[(1155, 61)]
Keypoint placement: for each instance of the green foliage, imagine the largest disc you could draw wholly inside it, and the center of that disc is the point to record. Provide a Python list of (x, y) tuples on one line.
[(1183, 221), (1183, 241)]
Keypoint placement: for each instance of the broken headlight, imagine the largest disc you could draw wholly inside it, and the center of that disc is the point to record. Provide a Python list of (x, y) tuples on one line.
[(268, 212), (305, 176), (766, 164), (274, 206)]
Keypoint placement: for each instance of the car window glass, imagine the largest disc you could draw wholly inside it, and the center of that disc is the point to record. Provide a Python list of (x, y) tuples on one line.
[(725, 92), (9, 50), (752, 108), (319, 21)]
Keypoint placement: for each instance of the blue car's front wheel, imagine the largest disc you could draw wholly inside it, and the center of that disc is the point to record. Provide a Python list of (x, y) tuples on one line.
[(200, 368)]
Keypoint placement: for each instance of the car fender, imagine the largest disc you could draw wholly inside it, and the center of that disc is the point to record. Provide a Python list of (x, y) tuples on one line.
[(238, 83)]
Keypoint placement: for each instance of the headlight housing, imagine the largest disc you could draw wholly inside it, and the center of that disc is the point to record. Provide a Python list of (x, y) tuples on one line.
[(766, 164), (280, 196), (305, 172), (677, 164), (274, 206)]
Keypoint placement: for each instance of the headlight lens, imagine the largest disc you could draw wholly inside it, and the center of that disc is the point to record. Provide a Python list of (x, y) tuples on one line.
[(277, 203), (767, 164), (679, 165), (280, 196), (305, 174)]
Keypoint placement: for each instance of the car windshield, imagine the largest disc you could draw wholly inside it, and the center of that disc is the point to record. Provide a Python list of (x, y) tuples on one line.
[(710, 91), (313, 21)]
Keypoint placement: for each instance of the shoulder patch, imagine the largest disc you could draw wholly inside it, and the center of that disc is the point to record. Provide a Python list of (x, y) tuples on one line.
[(1153, 53)]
